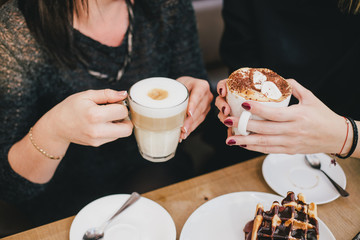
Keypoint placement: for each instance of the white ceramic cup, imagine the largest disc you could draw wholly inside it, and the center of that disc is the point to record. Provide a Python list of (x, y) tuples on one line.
[(235, 101)]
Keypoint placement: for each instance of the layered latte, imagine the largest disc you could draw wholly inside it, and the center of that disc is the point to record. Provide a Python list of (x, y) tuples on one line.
[(158, 108)]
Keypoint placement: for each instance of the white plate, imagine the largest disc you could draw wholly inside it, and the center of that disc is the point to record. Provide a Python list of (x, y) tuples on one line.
[(224, 217), (145, 220), (285, 173)]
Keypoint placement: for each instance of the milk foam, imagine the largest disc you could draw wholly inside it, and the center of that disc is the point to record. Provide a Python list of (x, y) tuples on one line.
[(174, 103)]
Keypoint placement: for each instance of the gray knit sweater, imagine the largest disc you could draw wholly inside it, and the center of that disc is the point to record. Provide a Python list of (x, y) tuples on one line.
[(30, 85)]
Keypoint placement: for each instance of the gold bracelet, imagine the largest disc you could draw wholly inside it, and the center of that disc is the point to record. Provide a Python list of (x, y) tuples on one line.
[(42, 151)]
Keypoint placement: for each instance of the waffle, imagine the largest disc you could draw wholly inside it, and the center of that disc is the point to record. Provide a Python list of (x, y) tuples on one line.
[(293, 219)]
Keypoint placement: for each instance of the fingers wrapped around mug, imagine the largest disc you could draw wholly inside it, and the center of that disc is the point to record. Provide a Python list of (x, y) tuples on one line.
[(266, 129), (224, 108), (306, 127), (87, 118), (247, 85), (221, 88), (291, 129)]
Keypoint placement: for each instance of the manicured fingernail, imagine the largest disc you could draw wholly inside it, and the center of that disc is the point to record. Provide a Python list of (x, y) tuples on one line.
[(223, 109), (246, 106), (190, 113), (228, 122), (220, 91), (243, 146), (184, 129), (231, 142)]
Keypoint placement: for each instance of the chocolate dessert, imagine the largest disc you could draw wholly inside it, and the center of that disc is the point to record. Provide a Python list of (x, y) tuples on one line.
[(293, 219)]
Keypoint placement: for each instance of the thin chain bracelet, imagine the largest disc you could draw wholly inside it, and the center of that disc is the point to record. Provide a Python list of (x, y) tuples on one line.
[(42, 151)]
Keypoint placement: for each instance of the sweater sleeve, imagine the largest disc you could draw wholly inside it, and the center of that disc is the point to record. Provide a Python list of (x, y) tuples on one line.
[(17, 97), (186, 57)]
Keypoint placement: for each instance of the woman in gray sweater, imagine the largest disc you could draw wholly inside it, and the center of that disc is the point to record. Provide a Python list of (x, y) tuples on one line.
[(60, 64)]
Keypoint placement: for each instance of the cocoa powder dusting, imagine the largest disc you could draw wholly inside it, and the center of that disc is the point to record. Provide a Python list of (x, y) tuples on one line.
[(242, 80), (238, 81)]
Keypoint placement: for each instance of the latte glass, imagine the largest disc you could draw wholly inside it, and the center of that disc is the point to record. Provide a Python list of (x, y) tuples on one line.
[(158, 109)]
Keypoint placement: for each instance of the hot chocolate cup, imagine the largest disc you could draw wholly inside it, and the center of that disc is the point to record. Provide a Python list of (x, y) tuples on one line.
[(237, 94)]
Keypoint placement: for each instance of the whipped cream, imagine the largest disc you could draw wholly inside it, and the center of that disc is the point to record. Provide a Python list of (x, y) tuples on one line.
[(258, 79), (270, 90)]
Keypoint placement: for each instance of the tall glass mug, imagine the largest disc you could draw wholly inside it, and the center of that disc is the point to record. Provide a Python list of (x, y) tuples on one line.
[(158, 108)]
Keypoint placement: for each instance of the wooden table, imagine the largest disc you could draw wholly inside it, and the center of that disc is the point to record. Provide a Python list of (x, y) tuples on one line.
[(342, 216)]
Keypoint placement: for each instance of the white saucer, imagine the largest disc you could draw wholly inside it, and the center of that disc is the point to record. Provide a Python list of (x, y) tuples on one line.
[(224, 217), (285, 173), (144, 220)]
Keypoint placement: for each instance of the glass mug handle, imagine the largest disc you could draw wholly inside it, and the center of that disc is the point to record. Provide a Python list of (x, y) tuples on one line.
[(243, 122), (124, 102)]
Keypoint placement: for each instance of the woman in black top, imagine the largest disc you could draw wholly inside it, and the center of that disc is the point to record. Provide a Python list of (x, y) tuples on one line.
[(51, 56), (318, 44)]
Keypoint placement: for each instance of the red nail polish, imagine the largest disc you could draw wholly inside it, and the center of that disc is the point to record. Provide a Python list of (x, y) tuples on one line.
[(220, 91), (228, 122), (243, 146), (231, 142), (246, 106), (223, 109)]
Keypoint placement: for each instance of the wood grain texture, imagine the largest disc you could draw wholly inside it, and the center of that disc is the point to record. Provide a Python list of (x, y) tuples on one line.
[(342, 216)]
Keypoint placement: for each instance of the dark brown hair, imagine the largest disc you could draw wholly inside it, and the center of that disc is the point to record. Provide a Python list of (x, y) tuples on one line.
[(350, 6), (51, 24)]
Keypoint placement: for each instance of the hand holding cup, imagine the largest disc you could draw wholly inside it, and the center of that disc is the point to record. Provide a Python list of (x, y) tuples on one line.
[(250, 84), (306, 127), (165, 111), (200, 98), (89, 118)]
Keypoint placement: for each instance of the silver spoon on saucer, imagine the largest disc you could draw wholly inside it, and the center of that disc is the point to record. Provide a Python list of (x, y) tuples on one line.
[(97, 233), (317, 165)]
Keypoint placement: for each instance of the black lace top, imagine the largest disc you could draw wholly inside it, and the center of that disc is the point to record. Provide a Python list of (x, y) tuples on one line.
[(30, 85)]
